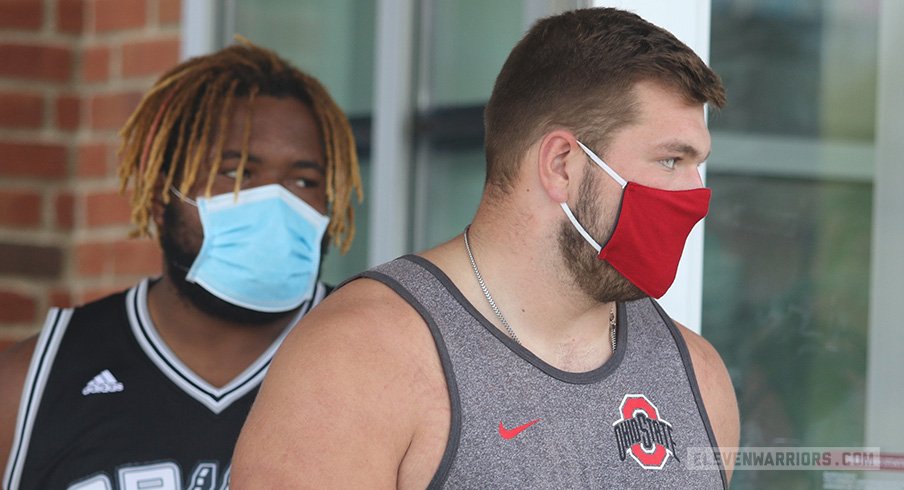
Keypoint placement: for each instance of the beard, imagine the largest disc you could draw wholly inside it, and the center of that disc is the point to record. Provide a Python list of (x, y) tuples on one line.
[(178, 257), (594, 277)]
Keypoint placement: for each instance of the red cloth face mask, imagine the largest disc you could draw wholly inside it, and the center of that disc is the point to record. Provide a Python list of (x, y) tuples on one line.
[(650, 231)]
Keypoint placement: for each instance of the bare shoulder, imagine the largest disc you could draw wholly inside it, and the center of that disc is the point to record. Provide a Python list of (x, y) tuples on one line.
[(343, 399), (716, 389), (14, 363)]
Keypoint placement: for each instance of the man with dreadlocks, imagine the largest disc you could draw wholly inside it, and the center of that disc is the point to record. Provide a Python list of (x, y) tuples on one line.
[(245, 167)]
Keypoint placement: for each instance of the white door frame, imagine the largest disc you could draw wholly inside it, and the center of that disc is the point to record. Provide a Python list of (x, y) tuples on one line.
[(884, 395)]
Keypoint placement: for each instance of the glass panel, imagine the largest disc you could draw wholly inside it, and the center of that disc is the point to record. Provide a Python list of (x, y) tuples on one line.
[(336, 266), (333, 41), (470, 40), (787, 243), (467, 42), (455, 187)]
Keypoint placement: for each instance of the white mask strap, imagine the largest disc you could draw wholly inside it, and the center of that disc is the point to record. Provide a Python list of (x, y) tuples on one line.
[(622, 182), (581, 230), (183, 196)]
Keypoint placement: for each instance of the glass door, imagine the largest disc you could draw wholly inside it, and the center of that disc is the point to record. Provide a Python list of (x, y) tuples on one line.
[(787, 252)]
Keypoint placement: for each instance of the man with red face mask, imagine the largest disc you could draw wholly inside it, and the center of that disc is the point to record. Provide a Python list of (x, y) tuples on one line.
[(529, 351)]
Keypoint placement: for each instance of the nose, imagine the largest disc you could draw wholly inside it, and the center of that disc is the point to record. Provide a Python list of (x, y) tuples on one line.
[(266, 176)]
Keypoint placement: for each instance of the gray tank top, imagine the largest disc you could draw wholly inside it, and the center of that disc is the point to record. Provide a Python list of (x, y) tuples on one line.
[(518, 422)]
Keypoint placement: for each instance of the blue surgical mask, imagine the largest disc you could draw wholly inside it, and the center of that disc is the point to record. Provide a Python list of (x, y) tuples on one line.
[(261, 248)]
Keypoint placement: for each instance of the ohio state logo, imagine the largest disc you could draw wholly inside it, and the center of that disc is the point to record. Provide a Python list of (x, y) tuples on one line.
[(642, 434)]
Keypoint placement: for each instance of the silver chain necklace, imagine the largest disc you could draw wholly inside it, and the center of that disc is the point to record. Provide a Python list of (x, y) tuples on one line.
[(505, 323)]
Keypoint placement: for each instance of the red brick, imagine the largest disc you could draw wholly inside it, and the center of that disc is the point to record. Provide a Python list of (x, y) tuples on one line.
[(92, 160), (94, 294), (70, 15), (112, 15), (106, 209), (21, 14), (169, 11), (60, 297), (68, 108), (96, 64), (35, 62), (16, 307), (110, 111), (31, 261), (149, 57), (137, 257), (91, 258), (21, 110), (6, 344), (20, 208), (64, 206), (32, 160)]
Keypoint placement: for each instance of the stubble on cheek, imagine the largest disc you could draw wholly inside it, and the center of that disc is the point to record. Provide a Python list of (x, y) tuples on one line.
[(594, 277)]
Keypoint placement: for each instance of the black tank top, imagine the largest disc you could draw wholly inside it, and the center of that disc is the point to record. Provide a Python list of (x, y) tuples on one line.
[(518, 422), (107, 405)]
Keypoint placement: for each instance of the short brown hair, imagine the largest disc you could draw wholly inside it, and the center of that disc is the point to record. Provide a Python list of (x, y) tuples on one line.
[(577, 70), (185, 114)]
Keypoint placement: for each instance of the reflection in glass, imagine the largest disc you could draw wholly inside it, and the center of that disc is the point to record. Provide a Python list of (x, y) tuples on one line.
[(787, 242), (334, 41)]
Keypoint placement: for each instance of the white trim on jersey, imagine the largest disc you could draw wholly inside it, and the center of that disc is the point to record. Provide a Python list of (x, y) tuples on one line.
[(33, 389), (215, 399)]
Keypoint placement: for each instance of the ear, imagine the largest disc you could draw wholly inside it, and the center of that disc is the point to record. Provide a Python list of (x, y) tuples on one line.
[(559, 158)]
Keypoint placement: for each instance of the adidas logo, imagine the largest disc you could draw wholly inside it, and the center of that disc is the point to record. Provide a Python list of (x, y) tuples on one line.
[(104, 382)]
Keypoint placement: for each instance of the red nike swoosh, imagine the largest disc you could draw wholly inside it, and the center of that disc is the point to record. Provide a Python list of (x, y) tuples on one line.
[(510, 433)]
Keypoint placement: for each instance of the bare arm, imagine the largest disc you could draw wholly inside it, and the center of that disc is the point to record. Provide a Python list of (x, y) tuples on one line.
[(717, 392), (13, 369), (338, 408)]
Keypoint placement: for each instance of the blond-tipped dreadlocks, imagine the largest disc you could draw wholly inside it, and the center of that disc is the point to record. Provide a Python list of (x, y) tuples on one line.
[(172, 128)]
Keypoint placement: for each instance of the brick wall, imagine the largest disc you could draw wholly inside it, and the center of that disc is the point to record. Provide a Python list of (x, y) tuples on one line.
[(71, 71)]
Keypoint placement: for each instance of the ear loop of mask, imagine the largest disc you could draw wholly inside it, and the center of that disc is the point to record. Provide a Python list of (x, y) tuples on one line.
[(581, 230), (597, 160), (574, 221), (183, 196)]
